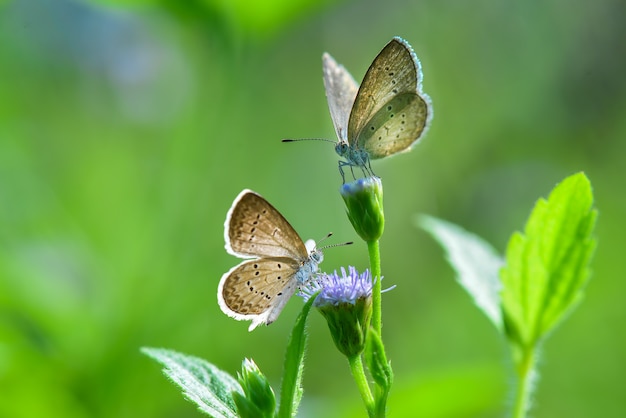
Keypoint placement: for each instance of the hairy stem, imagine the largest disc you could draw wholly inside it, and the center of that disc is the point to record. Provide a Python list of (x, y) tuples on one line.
[(373, 249), (526, 374), (356, 366)]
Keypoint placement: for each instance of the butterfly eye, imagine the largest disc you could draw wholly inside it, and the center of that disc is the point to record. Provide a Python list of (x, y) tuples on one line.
[(342, 148), (317, 256)]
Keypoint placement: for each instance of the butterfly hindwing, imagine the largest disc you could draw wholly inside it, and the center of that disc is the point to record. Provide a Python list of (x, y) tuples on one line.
[(394, 127), (258, 289)]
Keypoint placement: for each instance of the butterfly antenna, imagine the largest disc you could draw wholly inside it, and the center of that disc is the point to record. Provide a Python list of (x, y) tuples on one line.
[(330, 234), (341, 244), (308, 139)]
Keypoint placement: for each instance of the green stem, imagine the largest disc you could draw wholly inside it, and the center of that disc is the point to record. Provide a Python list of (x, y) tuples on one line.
[(356, 366), (373, 249), (525, 383), (382, 389)]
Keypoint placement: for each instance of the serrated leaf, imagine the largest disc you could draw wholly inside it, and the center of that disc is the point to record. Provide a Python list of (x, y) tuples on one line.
[(548, 265), (476, 263), (291, 387), (203, 384)]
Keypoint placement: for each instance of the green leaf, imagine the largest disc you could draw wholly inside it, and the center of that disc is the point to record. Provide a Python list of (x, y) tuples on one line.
[(380, 370), (547, 266), (476, 263), (203, 384), (376, 360), (291, 388)]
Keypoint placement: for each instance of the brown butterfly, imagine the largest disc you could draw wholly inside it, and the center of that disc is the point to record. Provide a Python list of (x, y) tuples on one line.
[(280, 262), (383, 117)]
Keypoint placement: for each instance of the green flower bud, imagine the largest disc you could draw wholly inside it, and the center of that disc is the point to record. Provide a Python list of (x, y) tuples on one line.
[(259, 400), (364, 201)]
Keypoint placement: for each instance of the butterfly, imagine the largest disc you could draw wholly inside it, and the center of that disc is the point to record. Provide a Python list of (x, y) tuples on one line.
[(383, 117), (278, 264)]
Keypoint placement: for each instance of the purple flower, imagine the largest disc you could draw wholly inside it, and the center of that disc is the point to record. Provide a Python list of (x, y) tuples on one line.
[(335, 289), (346, 303)]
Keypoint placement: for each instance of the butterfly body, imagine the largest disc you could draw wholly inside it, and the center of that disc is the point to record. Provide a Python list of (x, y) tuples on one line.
[(386, 115), (279, 262), (310, 267)]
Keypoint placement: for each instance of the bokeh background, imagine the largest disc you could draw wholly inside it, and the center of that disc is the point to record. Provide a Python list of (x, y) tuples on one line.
[(128, 127)]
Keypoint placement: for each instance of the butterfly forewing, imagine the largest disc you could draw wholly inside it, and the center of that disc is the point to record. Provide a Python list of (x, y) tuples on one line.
[(256, 229), (394, 71), (341, 90), (395, 126)]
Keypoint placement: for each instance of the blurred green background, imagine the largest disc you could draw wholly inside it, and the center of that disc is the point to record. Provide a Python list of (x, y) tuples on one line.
[(128, 127)]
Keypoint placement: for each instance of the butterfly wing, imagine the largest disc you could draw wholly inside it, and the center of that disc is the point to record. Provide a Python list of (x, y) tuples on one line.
[(341, 89), (395, 127), (254, 228), (258, 290), (394, 72)]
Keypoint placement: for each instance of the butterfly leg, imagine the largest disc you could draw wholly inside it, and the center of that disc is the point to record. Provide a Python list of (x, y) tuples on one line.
[(369, 166), (366, 167), (343, 176), (352, 170)]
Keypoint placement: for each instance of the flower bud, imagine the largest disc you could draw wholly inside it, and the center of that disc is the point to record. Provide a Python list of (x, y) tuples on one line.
[(259, 400), (364, 201)]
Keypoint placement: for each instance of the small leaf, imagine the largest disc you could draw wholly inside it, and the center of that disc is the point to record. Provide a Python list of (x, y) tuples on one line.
[(476, 263), (203, 384), (376, 360), (548, 266), (291, 388), (380, 370)]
